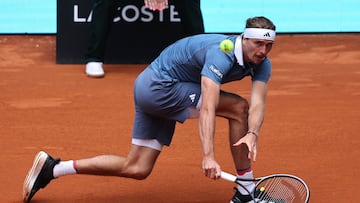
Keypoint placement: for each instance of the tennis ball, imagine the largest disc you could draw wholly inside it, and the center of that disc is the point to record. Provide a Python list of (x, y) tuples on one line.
[(262, 189), (226, 45)]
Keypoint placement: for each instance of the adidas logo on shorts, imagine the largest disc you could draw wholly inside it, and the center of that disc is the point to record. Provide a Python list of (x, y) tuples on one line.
[(192, 97)]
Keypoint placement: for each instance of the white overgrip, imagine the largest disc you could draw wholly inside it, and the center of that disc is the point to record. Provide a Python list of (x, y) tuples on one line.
[(228, 176)]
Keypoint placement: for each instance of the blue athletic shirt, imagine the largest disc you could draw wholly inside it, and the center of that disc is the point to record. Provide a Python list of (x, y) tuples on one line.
[(189, 58)]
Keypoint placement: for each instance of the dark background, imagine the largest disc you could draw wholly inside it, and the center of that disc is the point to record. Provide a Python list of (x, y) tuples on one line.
[(135, 42)]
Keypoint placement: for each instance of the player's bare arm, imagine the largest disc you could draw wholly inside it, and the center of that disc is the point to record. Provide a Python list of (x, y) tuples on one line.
[(256, 117), (210, 92)]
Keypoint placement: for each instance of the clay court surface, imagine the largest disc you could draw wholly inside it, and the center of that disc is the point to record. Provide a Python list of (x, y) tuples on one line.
[(311, 127)]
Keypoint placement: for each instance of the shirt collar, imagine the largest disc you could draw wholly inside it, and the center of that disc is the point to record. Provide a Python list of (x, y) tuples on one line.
[(238, 50)]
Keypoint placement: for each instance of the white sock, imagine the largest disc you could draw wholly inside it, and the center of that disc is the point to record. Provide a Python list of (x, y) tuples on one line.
[(247, 184), (64, 168)]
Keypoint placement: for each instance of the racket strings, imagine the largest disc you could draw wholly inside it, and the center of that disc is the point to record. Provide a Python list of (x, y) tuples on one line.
[(281, 190)]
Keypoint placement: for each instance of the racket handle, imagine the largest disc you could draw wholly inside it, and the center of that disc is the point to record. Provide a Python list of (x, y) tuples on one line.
[(228, 176)]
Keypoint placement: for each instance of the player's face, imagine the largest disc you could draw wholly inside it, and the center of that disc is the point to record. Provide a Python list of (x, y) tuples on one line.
[(255, 50)]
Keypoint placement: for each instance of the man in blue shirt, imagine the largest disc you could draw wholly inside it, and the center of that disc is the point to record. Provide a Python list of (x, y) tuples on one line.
[(184, 82)]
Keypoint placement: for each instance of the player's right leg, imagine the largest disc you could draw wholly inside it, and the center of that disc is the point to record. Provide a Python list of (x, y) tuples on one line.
[(39, 175), (138, 165)]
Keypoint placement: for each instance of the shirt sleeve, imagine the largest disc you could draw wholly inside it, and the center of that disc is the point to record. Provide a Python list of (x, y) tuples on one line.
[(217, 64), (263, 72)]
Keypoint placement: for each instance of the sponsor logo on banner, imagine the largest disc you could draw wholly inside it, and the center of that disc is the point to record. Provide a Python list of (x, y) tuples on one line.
[(132, 13)]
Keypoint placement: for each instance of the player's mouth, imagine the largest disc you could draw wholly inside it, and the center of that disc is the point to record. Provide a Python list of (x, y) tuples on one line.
[(258, 58)]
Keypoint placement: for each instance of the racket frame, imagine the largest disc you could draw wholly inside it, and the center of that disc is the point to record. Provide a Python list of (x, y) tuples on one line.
[(235, 179)]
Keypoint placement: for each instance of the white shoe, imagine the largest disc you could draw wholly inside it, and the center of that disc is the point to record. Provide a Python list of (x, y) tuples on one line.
[(94, 69)]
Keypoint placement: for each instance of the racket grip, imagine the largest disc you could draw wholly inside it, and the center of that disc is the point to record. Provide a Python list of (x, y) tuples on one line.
[(228, 176)]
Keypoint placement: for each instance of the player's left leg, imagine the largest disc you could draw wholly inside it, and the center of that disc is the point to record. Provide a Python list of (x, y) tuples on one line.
[(235, 109)]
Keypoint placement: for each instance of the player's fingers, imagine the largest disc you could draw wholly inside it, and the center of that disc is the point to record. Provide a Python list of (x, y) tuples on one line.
[(206, 169), (210, 173), (255, 153), (213, 174), (238, 143), (211, 169), (218, 173), (250, 154)]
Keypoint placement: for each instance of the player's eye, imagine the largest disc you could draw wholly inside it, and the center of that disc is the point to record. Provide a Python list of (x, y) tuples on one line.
[(269, 45)]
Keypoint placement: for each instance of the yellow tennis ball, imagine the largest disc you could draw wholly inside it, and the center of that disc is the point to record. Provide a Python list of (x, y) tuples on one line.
[(262, 189), (226, 45)]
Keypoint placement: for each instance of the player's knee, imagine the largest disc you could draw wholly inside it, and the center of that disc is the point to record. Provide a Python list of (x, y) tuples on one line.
[(241, 107), (140, 174), (234, 108), (239, 112), (135, 171)]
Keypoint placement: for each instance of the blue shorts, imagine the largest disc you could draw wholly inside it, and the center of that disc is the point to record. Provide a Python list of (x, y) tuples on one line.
[(160, 102)]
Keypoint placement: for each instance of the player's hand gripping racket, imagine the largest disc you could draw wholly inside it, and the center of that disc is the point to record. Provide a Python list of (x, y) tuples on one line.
[(277, 188)]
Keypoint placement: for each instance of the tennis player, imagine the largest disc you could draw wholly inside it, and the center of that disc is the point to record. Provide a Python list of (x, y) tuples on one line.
[(184, 82)]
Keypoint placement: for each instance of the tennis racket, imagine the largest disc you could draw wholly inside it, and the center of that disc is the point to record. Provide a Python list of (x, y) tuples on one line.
[(276, 188)]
